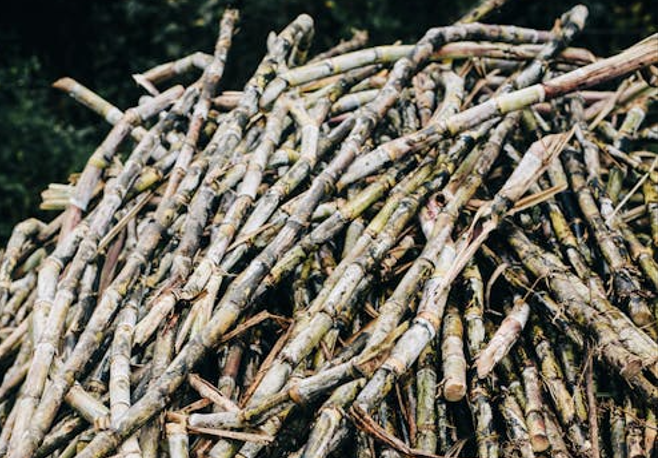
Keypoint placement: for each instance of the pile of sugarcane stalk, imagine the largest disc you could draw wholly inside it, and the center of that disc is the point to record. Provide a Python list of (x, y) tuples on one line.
[(447, 248)]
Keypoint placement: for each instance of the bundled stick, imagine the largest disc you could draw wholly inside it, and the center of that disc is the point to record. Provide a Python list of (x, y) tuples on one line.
[(445, 248)]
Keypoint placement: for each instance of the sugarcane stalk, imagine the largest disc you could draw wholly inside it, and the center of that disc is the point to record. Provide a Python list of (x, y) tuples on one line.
[(110, 264), (18, 292), (452, 354), (283, 156), (627, 287), (21, 234), (97, 381), (478, 390), (63, 433), (572, 22), (202, 226), (88, 407), (14, 340), (575, 297), (13, 378), (8, 426), (83, 310), (164, 218), (636, 164), (47, 280), (517, 431), (593, 416), (624, 95), (573, 375), (429, 315), (162, 356), (330, 416), (178, 440), (353, 101), (637, 251), (18, 370), (167, 70), (102, 157), (96, 103), (120, 369), (555, 436), (327, 347), (208, 82), (504, 338), (533, 402), (383, 54), (425, 83), (310, 154), (426, 382)]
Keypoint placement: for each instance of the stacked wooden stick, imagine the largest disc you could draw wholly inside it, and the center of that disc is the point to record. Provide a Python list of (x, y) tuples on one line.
[(438, 249)]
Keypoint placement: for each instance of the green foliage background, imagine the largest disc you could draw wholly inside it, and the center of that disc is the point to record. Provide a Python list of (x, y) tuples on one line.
[(44, 136)]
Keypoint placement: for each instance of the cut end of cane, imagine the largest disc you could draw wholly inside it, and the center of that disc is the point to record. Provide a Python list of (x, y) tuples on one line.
[(539, 443), (64, 84), (305, 21), (454, 391)]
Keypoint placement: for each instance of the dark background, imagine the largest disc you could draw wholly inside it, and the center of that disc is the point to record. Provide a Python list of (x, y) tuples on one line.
[(44, 135)]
